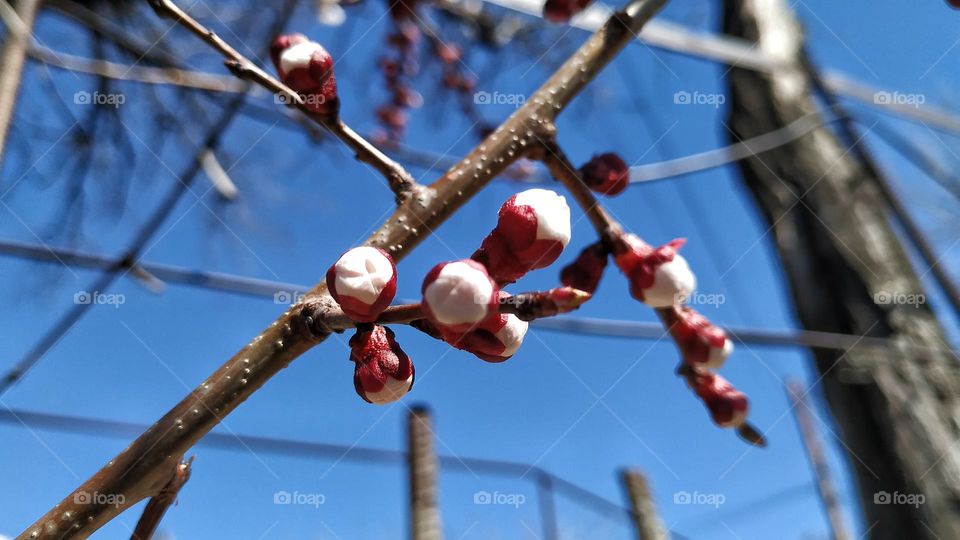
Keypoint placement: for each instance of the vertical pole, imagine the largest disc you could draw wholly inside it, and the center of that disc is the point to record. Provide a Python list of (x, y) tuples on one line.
[(547, 503), (645, 517), (818, 462), (19, 23), (422, 462)]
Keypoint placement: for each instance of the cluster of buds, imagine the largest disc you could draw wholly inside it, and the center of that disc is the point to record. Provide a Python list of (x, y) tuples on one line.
[(606, 174), (701, 343), (397, 69), (585, 271), (728, 406), (531, 232), (382, 373), (461, 301), (561, 11), (307, 68), (363, 281), (456, 80), (659, 277)]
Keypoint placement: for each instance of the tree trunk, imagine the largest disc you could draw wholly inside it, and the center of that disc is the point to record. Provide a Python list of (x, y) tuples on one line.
[(897, 411), (12, 57)]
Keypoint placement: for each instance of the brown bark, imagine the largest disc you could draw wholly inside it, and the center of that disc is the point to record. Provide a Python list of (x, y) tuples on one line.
[(12, 58), (897, 410)]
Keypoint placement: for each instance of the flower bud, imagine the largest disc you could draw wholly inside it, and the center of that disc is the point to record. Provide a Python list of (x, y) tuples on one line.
[(459, 295), (585, 272), (659, 277), (383, 372), (702, 343), (606, 174), (307, 68), (494, 340), (363, 281), (561, 11), (727, 405), (531, 232)]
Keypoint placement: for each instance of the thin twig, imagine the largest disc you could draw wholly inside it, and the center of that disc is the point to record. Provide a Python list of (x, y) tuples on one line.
[(401, 182), (608, 229), (527, 306)]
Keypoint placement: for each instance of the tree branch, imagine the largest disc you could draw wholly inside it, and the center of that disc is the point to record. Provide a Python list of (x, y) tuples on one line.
[(608, 229), (158, 505), (138, 471)]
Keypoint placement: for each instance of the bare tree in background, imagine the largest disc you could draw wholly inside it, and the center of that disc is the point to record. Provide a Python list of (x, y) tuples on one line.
[(897, 411)]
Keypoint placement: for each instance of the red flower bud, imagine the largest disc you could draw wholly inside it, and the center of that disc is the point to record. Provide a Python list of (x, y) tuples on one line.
[(392, 117), (383, 372), (402, 10), (606, 174), (585, 272), (459, 295), (307, 68), (533, 229), (363, 281), (495, 340), (449, 53), (561, 11), (659, 277), (702, 343), (728, 406)]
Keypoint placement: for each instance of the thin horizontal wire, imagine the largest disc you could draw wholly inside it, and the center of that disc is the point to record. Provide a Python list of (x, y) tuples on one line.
[(308, 449), (283, 292)]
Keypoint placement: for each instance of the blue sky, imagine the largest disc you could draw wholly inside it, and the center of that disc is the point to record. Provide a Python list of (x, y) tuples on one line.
[(580, 407)]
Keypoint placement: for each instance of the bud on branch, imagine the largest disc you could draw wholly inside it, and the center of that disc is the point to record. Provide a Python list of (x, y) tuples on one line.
[(459, 295), (659, 277), (383, 372), (363, 282), (531, 232), (307, 68)]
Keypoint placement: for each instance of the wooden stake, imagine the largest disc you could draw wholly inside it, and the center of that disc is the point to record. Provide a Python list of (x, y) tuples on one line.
[(422, 462), (645, 517)]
